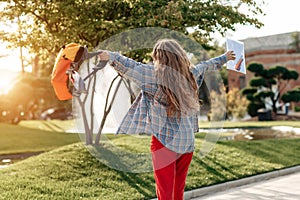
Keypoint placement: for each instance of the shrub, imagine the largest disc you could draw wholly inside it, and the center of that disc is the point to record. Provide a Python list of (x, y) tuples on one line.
[(218, 106), (231, 104), (236, 104)]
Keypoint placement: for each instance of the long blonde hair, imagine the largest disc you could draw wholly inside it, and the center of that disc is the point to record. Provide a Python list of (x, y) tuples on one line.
[(173, 72)]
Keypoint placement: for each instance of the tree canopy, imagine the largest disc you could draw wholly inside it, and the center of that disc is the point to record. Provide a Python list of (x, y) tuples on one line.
[(44, 26), (292, 95), (267, 87)]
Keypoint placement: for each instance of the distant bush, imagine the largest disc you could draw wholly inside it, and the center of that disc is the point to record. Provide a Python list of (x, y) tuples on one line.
[(236, 104), (231, 105), (218, 106)]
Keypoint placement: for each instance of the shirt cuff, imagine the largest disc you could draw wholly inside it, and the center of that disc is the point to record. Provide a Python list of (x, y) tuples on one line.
[(224, 58), (112, 56)]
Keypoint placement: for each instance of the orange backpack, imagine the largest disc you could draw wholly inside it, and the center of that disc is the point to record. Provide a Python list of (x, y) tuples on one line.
[(64, 78), (69, 57)]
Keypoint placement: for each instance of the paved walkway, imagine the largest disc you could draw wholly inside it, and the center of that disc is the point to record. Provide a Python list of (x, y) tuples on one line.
[(279, 185), (281, 188)]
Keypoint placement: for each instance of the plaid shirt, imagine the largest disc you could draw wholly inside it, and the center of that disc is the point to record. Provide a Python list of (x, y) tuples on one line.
[(148, 112)]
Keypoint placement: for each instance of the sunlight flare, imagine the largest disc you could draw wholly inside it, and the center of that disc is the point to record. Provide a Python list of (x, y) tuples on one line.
[(7, 81)]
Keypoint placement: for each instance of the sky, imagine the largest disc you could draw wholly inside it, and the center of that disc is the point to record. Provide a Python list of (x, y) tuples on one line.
[(282, 16)]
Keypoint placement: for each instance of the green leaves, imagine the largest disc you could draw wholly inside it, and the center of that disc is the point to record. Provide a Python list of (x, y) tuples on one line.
[(281, 72), (55, 23), (256, 68), (269, 84), (292, 74), (259, 82), (254, 107), (292, 95), (249, 91), (264, 94)]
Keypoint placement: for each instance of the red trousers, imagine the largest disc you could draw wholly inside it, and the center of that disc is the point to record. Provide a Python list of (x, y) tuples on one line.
[(170, 171)]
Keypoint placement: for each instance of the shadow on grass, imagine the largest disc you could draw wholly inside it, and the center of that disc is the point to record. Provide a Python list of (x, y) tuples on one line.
[(277, 151), (209, 169), (224, 168), (52, 126), (130, 166), (122, 159), (220, 172), (142, 185)]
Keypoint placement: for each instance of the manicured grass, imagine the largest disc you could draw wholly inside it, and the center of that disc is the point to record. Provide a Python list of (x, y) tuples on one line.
[(71, 172), (19, 139), (62, 126), (248, 124), (34, 136), (49, 125)]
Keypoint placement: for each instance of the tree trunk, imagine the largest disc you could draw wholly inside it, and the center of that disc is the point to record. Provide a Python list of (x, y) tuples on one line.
[(87, 130), (35, 65), (107, 109)]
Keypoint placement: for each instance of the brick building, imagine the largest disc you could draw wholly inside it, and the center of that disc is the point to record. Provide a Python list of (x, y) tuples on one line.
[(281, 49)]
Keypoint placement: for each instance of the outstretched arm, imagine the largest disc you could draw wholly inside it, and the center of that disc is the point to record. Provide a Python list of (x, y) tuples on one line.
[(217, 62), (212, 64), (141, 74)]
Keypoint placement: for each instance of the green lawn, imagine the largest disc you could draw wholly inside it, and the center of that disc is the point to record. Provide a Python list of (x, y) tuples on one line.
[(34, 136), (49, 125), (20, 139), (71, 172), (248, 124)]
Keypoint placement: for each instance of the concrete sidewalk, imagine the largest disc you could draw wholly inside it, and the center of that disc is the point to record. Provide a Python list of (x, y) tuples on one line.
[(278, 185)]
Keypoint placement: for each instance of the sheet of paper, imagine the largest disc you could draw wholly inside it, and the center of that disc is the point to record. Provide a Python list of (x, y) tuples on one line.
[(238, 64)]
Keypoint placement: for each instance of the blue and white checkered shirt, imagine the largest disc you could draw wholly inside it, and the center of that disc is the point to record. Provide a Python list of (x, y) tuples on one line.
[(148, 112)]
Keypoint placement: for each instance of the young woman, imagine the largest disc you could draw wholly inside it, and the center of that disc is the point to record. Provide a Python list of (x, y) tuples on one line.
[(167, 108)]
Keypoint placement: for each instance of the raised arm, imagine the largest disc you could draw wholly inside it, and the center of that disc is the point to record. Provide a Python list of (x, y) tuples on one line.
[(212, 64), (141, 74)]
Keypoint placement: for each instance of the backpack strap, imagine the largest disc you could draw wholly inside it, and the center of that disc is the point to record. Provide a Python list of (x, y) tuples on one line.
[(98, 67), (75, 83)]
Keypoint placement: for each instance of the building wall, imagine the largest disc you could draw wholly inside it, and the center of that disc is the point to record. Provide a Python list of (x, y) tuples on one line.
[(270, 51)]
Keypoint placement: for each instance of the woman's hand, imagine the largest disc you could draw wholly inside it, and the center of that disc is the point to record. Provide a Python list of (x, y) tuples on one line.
[(230, 55), (103, 56)]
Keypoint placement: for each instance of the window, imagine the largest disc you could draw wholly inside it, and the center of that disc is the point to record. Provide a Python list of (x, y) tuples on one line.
[(242, 81)]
